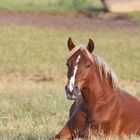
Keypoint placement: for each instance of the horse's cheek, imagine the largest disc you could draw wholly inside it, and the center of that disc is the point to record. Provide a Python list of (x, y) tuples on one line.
[(84, 75)]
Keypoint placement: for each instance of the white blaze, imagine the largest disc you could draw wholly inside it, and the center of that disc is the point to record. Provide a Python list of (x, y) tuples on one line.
[(72, 79), (78, 58)]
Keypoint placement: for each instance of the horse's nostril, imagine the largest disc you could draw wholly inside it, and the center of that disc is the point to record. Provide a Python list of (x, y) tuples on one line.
[(66, 87), (76, 87)]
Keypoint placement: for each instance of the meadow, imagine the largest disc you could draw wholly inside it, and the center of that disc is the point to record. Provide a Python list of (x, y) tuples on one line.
[(32, 108), (33, 105)]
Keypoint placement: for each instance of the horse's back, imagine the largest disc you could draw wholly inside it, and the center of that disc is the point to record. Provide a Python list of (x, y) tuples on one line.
[(130, 108), (129, 102)]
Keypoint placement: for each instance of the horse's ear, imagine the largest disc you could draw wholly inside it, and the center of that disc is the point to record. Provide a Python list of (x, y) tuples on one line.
[(90, 46), (70, 44)]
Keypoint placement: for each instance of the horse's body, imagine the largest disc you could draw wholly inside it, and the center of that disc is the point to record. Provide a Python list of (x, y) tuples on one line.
[(104, 106), (118, 114)]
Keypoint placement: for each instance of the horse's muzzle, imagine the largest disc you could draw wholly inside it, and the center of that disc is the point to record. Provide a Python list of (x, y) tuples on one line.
[(72, 95)]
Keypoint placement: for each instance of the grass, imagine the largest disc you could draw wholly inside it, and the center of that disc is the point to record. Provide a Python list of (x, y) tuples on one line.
[(26, 53), (51, 6), (135, 16), (86, 7), (38, 109), (35, 110), (132, 137), (32, 115)]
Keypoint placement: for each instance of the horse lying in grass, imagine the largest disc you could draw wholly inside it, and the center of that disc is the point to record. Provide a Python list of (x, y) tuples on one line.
[(102, 106)]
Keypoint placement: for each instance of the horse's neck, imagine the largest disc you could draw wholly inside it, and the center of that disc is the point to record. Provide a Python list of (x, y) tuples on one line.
[(97, 91)]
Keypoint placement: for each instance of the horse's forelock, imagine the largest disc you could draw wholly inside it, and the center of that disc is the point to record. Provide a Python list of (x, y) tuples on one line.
[(75, 49), (82, 48)]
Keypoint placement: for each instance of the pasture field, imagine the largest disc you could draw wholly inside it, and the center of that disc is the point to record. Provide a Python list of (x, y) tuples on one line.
[(33, 105)]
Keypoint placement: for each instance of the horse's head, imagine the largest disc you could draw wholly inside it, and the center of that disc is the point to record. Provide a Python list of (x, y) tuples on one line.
[(80, 63)]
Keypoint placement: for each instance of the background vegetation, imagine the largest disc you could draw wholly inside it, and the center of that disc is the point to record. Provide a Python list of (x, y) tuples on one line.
[(33, 72), (60, 7), (51, 6)]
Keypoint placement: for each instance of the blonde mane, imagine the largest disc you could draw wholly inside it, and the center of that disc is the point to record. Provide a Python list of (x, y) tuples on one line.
[(109, 74), (103, 66)]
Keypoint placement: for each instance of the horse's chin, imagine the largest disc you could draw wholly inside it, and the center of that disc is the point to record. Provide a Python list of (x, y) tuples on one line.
[(72, 96)]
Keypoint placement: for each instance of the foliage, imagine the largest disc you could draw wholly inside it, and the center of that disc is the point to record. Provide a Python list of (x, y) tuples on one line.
[(51, 6)]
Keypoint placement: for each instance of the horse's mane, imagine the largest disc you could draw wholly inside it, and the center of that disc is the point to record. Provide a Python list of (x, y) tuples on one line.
[(104, 69)]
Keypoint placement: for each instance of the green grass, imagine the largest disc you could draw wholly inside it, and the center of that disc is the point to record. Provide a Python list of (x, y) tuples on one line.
[(51, 6), (32, 115), (37, 110), (88, 7), (28, 49), (135, 16)]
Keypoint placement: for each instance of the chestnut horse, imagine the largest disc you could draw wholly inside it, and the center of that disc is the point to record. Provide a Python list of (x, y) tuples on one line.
[(103, 106)]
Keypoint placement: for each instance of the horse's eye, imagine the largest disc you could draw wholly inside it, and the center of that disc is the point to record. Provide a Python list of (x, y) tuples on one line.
[(87, 65)]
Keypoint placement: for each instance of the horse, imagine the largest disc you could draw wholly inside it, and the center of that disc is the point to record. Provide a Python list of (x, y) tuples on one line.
[(103, 105)]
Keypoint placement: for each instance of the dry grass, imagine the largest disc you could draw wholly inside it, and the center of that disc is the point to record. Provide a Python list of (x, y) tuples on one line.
[(33, 107), (34, 110)]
